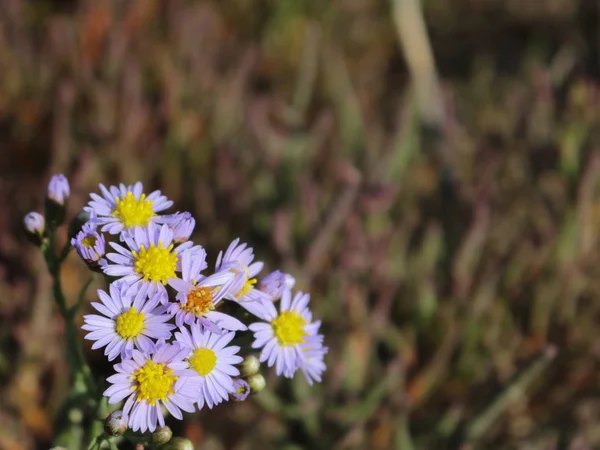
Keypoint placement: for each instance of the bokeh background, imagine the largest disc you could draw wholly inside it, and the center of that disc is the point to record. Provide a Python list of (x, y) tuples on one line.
[(428, 170)]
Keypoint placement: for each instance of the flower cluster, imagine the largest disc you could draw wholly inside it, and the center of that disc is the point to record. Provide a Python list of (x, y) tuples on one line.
[(169, 321)]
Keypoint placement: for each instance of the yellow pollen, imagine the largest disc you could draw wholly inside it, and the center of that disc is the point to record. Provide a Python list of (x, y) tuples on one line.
[(203, 361), (130, 324), (89, 241), (132, 212), (153, 382), (248, 286), (199, 301), (156, 263), (289, 328)]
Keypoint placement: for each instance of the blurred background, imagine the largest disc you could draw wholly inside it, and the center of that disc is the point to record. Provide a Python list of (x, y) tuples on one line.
[(428, 170)]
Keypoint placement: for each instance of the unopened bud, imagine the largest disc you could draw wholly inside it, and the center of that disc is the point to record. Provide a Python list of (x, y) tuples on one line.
[(162, 435), (58, 189), (114, 424), (56, 199), (257, 383), (242, 390), (182, 225), (178, 444), (250, 366), (275, 283), (35, 226)]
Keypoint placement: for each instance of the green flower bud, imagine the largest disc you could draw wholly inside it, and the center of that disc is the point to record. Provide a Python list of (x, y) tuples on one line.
[(257, 383), (114, 425), (250, 366), (178, 444), (162, 435)]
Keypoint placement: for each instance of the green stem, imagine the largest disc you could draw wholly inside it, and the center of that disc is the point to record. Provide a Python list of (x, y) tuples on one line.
[(75, 355)]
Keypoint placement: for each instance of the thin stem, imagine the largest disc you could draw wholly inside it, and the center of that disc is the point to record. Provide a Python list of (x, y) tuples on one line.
[(76, 358), (81, 296)]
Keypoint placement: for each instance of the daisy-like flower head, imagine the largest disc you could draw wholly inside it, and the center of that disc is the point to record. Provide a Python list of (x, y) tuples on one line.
[(125, 207), (239, 259), (90, 245), (182, 225), (149, 263), (241, 390), (212, 360), (125, 324), (274, 284), (284, 334), (151, 379), (198, 296)]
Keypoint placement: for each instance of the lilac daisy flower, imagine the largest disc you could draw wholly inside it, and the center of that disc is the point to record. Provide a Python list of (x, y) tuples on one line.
[(124, 324), (238, 258), (125, 207), (283, 335), (213, 361), (90, 245), (149, 263), (198, 296), (241, 390), (151, 379)]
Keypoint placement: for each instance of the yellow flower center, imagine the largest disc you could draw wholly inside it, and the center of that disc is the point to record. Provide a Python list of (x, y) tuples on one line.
[(130, 324), (199, 301), (132, 212), (248, 286), (155, 263), (203, 361), (289, 328), (89, 241), (153, 382)]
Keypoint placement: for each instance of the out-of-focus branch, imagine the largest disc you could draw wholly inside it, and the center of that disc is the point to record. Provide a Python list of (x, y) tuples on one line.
[(410, 25)]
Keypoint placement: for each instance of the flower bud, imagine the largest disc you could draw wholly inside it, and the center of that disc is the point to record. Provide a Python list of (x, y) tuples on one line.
[(35, 226), (250, 366), (257, 383), (58, 189), (114, 424), (242, 390), (161, 435), (178, 444), (56, 199), (274, 284), (182, 225)]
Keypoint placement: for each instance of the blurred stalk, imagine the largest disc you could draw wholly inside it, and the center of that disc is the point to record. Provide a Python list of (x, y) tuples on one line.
[(307, 75), (410, 25), (516, 390)]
